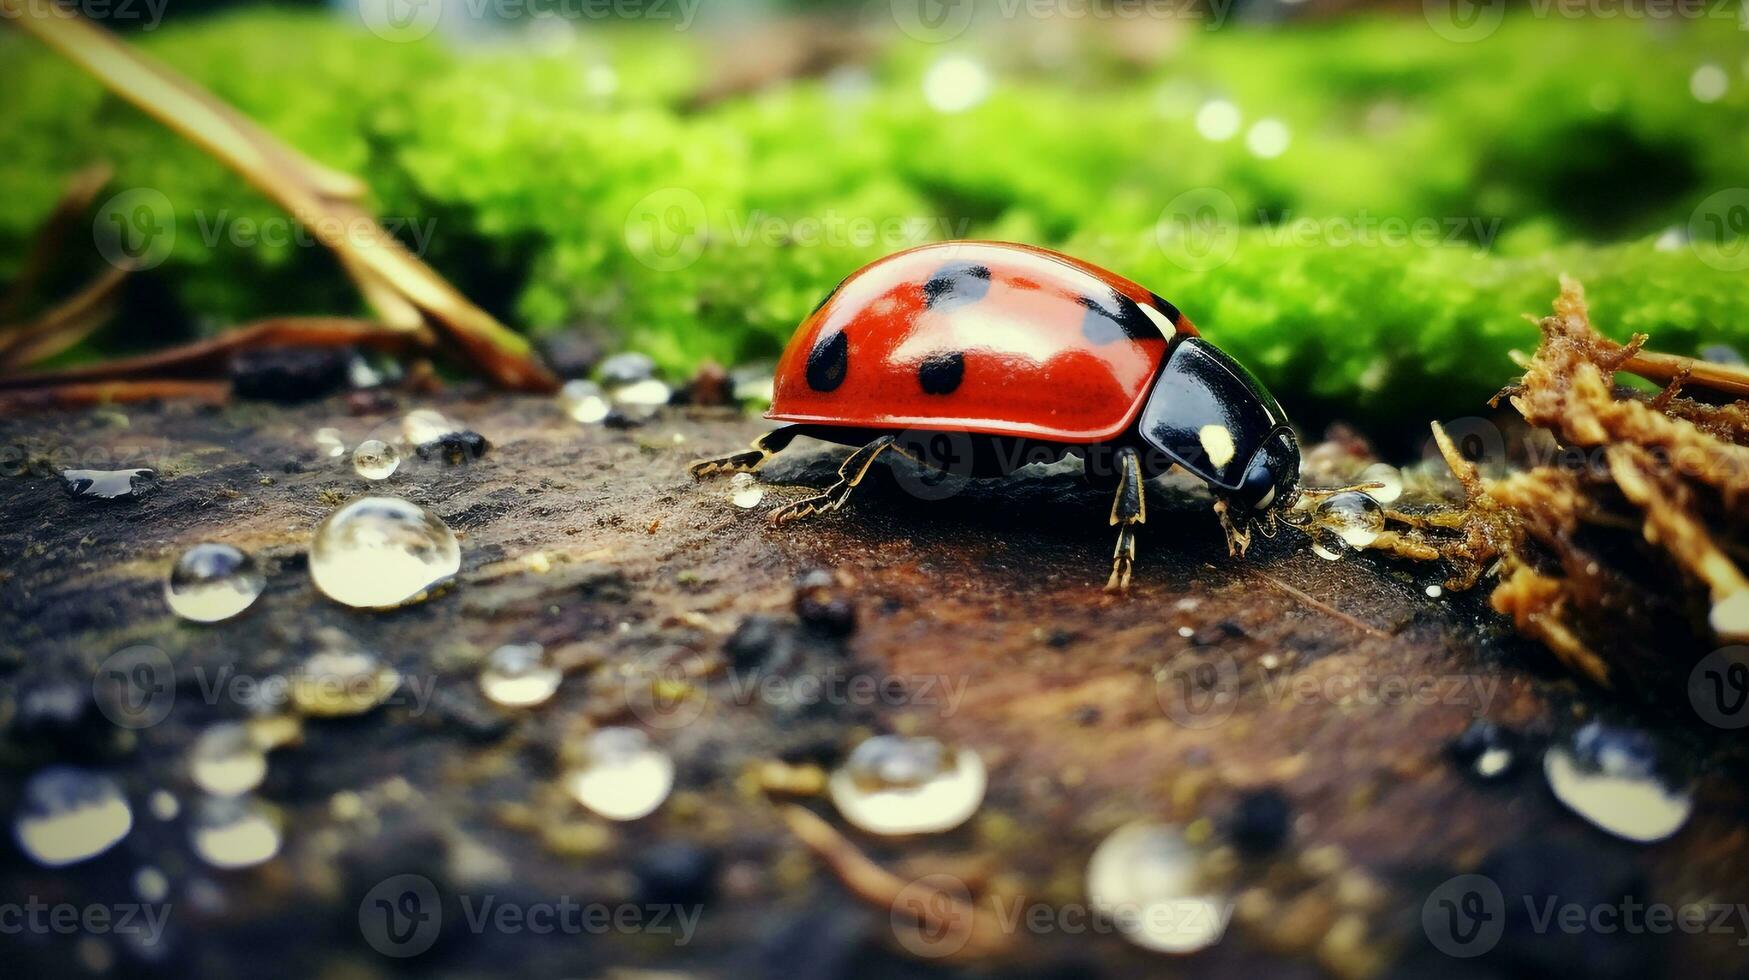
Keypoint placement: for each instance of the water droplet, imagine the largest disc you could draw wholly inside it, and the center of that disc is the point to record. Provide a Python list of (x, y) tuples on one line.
[(341, 681), (621, 776), (519, 675), (1384, 473), (225, 761), (67, 815), (1610, 777), (211, 582), (1353, 516), (584, 402), (151, 885), (893, 784), (233, 832), (382, 552), (1328, 545), (627, 368), (375, 459), (643, 398), (1486, 751), (329, 442), (109, 484), (1434, 591), (745, 491), (1147, 879), (423, 425)]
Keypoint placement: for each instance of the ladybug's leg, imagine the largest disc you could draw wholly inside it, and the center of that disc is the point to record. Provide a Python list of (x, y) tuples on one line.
[(1129, 507), (764, 447), (849, 475)]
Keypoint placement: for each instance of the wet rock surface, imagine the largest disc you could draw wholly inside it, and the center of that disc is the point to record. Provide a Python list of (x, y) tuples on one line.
[(1329, 691)]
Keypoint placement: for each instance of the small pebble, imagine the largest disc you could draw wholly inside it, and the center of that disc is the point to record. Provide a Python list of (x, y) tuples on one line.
[(1260, 821), (584, 402)]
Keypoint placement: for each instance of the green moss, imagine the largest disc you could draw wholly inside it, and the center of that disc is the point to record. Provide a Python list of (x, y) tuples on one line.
[(584, 180)]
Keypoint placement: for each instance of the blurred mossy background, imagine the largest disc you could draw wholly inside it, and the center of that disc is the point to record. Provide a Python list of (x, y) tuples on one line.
[(1360, 206)]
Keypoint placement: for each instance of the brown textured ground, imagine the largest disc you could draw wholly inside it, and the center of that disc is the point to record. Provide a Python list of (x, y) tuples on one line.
[(986, 605)]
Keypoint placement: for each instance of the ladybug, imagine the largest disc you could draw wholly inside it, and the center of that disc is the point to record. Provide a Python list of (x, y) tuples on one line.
[(982, 357)]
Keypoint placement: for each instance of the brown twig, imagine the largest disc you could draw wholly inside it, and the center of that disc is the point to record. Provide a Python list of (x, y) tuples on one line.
[(64, 325), (402, 288), (84, 394), (82, 188), (209, 358), (1307, 599), (950, 921)]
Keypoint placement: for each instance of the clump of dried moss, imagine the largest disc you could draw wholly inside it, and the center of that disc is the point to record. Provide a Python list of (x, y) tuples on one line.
[(1621, 549)]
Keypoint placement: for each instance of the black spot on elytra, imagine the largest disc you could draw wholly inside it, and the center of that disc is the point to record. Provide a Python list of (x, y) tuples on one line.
[(1114, 318), (940, 374), (827, 362), (956, 285)]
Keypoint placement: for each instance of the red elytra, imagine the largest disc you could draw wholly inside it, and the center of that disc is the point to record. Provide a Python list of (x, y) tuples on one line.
[(987, 337)]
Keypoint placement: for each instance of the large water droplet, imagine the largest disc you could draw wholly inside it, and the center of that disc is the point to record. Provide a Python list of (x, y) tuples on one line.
[(342, 680), (225, 761), (1610, 777), (1148, 881), (67, 815), (211, 582), (584, 402), (893, 784), (1353, 516), (620, 775), (233, 832), (375, 459), (519, 675), (109, 484), (745, 491), (382, 552)]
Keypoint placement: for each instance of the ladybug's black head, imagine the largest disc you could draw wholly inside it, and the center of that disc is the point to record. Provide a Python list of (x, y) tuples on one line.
[(1210, 416)]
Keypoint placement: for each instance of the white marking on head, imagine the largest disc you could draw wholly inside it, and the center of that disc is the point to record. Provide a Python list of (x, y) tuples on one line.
[(1268, 499), (1166, 326), (1217, 442)]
